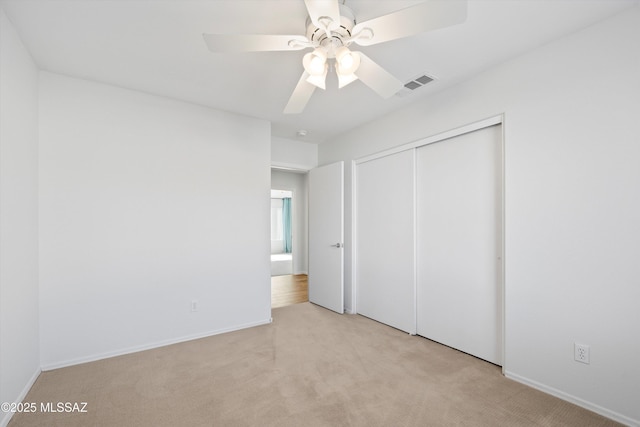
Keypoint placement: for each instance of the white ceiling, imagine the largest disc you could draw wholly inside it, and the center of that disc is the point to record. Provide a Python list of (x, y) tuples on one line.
[(156, 46)]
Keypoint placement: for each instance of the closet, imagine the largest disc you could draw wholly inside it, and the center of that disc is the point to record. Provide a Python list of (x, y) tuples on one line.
[(428, 240)]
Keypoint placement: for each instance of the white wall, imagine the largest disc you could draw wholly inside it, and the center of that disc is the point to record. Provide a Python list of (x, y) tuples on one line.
[(572, 206), (296, 182), (287, 153), (19, 336), (145, 205)]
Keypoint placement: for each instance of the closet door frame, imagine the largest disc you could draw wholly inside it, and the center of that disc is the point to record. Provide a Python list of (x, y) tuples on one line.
[(488, 122)]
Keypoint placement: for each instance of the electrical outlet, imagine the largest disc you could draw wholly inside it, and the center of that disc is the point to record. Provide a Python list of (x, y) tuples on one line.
[(581, 353), (194, 305)]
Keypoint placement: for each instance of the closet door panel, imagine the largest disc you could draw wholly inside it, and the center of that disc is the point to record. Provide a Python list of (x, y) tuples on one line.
[(459, 238), (385, 240)]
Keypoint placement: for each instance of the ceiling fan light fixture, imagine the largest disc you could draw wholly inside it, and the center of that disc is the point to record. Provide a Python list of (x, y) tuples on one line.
[(319, 80), (347, 62), (315, 63)]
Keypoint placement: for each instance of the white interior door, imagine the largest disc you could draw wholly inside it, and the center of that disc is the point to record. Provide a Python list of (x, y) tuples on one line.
[(385, 235), (326, 236), (459, 217)]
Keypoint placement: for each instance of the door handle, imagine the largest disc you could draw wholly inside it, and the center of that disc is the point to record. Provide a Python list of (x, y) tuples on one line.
[(337, 245)]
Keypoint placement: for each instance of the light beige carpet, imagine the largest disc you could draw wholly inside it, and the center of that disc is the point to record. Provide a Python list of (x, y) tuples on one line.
[(311, 367)]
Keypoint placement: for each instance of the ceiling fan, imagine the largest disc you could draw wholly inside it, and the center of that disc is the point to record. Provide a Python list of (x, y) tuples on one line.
[(331, 30)]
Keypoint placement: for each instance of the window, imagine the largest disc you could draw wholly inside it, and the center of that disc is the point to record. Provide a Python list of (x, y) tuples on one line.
[(276, 219)]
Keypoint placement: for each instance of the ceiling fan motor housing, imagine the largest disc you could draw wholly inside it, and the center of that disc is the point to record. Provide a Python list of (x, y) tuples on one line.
[(338, 33)]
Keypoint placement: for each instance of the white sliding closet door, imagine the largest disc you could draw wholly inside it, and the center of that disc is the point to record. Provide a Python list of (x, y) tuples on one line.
[(385, 240), (459, 217)]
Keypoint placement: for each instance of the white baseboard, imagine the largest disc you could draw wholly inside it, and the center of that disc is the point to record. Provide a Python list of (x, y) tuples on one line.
[(575, 400), (150, 346), (6, 416)]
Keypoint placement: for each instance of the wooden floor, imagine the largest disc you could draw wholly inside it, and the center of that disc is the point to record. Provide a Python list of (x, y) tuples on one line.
[(288, 290)]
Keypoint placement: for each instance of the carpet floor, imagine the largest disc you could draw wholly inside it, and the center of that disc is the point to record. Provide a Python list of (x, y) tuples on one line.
[(310, 367)]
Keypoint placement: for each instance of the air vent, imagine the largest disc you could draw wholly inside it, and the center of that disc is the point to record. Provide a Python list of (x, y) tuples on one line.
[(414, 84), (423, 80)]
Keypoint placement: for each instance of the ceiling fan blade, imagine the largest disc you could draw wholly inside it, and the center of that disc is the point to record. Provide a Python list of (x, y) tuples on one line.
[(319, 9), (427, 16), (377, 78), (254, 43), (300, 96)]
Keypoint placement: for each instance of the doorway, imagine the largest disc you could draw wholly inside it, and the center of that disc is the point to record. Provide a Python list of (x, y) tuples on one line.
[(289, 253), (281, 232)]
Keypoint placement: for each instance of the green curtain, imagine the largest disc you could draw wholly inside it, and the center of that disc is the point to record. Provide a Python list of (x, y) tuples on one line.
[(286, 223)]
